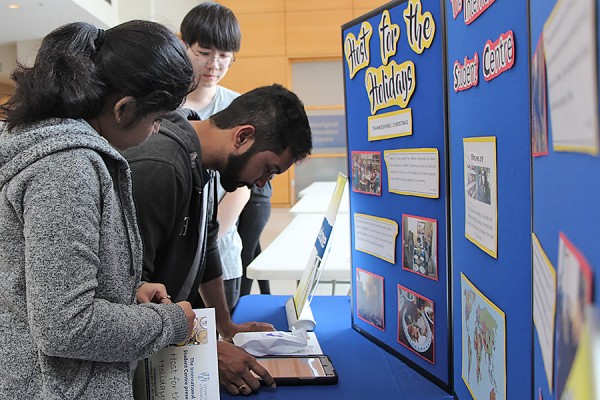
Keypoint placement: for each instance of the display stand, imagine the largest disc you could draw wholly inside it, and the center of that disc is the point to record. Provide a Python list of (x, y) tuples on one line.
[(297, 308), (306, 320), (395, 116), (488, 89), (412, 127)]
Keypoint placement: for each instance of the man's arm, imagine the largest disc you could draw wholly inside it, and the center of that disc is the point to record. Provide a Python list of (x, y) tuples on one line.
[(213, 294), (155, 185), (230, 208)]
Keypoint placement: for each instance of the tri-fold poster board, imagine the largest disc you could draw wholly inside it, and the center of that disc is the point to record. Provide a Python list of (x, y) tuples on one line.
[(395, 110), (472, 132)]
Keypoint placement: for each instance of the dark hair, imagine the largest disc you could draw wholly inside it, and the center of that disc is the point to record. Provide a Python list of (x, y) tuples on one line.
[(79, 66), (278, 117), (212, 26)]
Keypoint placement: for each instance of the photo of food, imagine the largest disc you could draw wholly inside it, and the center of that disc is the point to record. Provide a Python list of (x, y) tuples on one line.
[(199, 333), (369, 298), (416, 318)]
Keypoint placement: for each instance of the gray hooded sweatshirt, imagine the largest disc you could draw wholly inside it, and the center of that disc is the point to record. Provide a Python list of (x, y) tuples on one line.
[(70, 263)]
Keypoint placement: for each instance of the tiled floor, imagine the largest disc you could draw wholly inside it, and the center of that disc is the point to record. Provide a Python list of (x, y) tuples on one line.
[(280, 218)]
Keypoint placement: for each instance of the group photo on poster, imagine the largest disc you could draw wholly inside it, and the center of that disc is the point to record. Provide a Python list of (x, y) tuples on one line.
[(369, 298), (419, 243), (416, 323), (366, 172)]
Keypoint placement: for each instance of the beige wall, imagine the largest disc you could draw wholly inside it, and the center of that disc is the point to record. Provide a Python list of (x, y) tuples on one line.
[(275, 32)]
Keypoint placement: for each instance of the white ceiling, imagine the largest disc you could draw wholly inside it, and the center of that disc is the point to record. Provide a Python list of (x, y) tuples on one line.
[(36, 18)]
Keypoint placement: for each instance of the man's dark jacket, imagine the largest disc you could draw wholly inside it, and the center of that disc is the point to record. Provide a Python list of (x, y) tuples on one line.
[(168, 187)]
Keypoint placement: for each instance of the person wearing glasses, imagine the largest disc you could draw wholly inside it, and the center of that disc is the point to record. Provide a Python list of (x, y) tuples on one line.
[(212, 35), (261, 133)]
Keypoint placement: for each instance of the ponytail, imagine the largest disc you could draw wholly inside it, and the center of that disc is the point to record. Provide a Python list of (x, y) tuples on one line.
[(79, 66), (63, 81)]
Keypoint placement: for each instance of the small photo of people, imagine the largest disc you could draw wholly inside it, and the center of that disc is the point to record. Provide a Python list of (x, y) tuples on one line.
[(419, 243), (369, 298), (478, 184), (573, 292), (539, 131), (366, 172), (416, 323)]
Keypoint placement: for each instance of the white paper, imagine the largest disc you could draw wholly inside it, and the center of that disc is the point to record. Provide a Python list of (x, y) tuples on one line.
[(389, 125), (312, 347), (271, 343), (413, 172), (544, 304), (481, 209), (183, 372), (376, 236), (570, 47)]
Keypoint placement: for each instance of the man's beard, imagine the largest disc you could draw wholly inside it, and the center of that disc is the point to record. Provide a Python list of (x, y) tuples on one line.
[(230, 176)]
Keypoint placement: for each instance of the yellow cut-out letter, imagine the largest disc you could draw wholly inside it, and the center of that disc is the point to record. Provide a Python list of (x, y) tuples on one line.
[(388, 37), (356, 51), (420, 28)]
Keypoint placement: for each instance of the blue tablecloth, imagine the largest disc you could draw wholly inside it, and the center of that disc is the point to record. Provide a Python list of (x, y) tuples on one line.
[(365, 370)]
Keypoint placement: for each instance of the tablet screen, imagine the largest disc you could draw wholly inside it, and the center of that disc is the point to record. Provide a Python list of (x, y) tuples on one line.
[(301, 367)]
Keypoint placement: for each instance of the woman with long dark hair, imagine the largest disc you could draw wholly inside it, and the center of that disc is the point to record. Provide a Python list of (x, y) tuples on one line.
[(71, 318)]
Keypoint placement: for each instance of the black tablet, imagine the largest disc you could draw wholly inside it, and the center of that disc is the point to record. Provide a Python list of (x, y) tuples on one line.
[(300, 370)]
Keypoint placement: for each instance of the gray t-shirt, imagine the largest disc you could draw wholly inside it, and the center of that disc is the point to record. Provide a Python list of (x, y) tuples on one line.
[(223, 98), (230, 244)]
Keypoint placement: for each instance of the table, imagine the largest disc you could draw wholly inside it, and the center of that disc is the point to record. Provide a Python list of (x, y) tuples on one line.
[(315, 199), (287, 255), (365, 370), (318, 187)]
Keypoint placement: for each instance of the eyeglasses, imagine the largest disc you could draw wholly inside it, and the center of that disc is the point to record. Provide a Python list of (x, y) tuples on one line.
[(209, 57)]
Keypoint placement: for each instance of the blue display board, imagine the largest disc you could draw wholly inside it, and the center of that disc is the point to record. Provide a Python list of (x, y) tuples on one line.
[(394, 76), (488, 98), (506, 95), (565, 202)]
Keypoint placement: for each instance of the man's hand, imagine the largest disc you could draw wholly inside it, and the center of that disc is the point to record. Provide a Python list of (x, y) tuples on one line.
[(235, 365), (152, 292), (232, 328)]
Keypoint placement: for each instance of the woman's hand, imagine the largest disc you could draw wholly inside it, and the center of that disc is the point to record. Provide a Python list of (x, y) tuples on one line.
[(152, 293), (190, 314)]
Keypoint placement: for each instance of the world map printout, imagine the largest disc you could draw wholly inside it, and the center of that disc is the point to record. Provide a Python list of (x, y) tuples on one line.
[(483, 344)]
